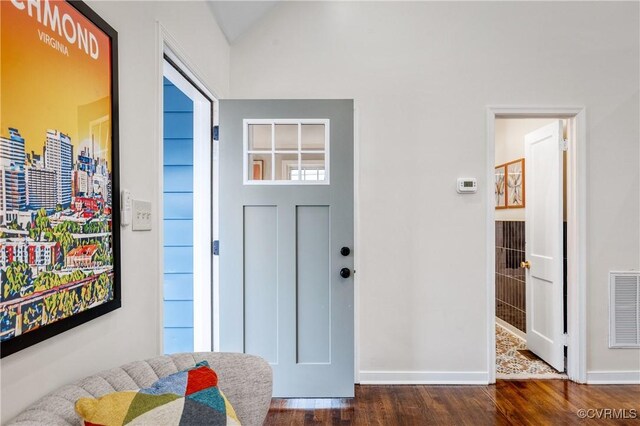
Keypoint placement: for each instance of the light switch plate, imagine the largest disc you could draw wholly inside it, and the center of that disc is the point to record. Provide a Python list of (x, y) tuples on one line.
[(125, 208), (141, 216)]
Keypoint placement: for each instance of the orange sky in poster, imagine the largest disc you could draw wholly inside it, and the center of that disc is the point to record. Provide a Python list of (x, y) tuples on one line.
[(43, 88)]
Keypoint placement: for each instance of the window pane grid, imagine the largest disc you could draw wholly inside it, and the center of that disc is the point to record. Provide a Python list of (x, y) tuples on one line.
[(282, 163), (280, 151)]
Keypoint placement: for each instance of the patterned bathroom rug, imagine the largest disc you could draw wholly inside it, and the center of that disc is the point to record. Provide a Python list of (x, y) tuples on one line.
[(515, 362)]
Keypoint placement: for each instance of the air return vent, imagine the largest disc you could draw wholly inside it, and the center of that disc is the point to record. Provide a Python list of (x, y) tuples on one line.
[(624, 309)]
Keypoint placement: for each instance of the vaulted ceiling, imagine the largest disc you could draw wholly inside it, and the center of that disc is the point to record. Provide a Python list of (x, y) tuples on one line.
[(237, 17)]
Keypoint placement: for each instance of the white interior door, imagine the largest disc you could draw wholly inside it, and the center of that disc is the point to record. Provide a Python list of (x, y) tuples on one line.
[(543, 212)]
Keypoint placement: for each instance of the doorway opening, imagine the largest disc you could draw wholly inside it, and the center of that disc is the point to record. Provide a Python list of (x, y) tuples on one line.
[(516, 356), (535, 245), (187, 211)]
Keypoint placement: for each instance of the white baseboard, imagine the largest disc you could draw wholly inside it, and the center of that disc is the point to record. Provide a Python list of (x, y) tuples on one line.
[(424, 377), (613, 377), (511, 328)]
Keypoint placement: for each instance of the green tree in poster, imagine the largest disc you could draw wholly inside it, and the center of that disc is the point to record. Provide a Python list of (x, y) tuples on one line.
[(46, 280), (32, 230), (15, 277), (65, 239), (32, 317), (49, 311), (68, 299), (102, 256), (40, 225), (85, 295), (68, 226), (94, 227), (102, 287), (74, 276), (13, 225)]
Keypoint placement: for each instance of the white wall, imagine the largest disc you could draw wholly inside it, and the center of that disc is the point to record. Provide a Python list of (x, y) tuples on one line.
[(421, 74), (131, 332), (509, 145)]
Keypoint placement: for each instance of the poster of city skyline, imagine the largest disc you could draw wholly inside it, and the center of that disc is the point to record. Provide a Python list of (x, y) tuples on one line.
[(58, 177)]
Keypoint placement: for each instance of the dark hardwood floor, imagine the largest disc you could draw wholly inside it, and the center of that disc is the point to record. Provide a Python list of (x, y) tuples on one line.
[(527, 402)]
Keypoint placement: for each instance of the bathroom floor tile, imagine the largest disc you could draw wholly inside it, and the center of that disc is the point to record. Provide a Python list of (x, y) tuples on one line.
[(513, 363)]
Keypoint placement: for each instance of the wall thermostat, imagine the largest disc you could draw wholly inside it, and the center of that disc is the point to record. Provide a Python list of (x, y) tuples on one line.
[(467, 185)]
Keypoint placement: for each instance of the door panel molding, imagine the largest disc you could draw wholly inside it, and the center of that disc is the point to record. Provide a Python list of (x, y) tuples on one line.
[(260, 272), (313, 296)]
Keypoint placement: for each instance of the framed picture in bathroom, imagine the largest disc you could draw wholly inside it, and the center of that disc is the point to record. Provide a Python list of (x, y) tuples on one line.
[(258, 166), (515, 196), (59, 221), (500, 187)]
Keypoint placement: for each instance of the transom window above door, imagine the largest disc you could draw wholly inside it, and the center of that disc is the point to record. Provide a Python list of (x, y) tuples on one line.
[(286, 151)]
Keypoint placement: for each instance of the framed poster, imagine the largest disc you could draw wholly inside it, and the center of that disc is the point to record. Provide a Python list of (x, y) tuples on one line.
[(515, 184), (59, 192), (499, 184)]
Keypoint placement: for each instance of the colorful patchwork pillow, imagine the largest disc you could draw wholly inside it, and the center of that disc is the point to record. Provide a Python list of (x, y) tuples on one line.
[(189, 397)]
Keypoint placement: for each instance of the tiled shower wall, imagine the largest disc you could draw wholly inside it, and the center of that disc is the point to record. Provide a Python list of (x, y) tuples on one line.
[(510, 278)]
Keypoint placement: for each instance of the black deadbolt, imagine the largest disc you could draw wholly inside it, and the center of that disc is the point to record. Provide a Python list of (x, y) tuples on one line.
[(345, 273), (345, 251)]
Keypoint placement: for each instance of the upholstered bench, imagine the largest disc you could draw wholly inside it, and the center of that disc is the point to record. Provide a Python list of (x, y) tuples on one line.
[(246, 381)]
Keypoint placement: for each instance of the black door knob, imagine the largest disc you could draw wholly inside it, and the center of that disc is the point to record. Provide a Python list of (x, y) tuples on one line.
[(345, 251), (345, 273)]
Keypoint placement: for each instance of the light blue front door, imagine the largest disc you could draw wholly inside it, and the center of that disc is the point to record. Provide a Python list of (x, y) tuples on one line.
[(286, 240)]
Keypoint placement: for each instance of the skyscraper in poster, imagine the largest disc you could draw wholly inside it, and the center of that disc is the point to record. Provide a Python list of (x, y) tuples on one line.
[(41, 188), (12, 174), (58, 156)]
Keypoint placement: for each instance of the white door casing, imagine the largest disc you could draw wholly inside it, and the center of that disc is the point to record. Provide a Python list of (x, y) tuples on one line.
[(202, 205)]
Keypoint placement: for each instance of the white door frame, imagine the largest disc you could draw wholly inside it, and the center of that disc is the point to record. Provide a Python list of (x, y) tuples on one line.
[(576, 232), (206, 314)]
